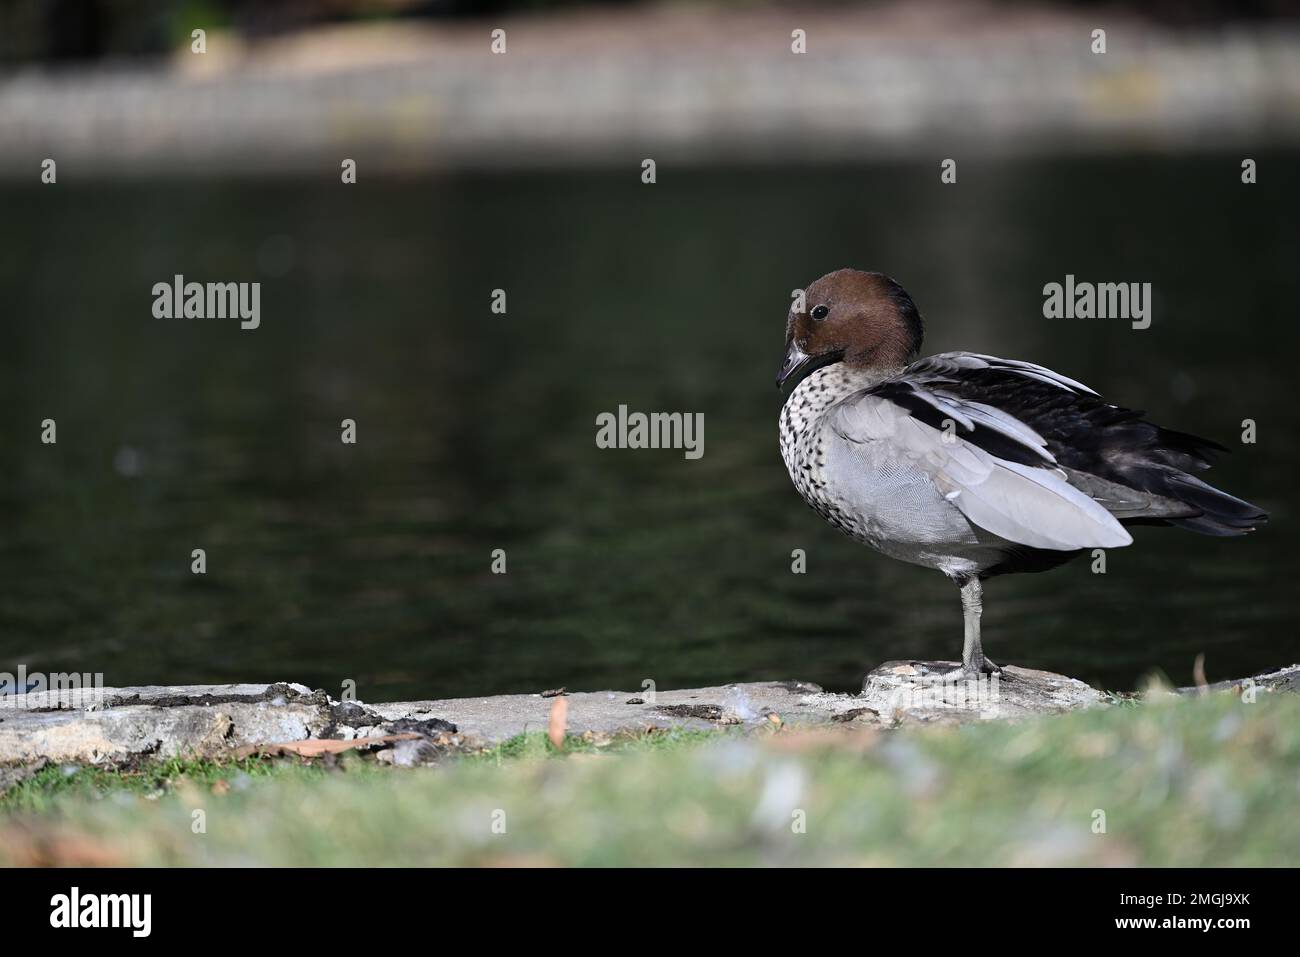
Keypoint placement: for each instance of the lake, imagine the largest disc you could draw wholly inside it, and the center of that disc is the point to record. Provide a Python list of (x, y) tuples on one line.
[(372, 562)]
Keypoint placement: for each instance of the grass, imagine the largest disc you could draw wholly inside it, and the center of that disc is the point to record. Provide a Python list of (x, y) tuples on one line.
[(1206, 781), (535, 744), (55, 787)]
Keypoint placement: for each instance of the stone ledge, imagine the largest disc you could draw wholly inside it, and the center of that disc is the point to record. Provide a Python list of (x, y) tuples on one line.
[(125, 725)]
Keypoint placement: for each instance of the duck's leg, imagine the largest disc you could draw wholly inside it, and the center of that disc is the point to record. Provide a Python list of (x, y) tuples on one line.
[(973, 661)]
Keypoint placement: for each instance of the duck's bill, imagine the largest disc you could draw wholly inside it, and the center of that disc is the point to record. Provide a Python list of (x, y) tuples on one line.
[(798, 363), (795, 359)]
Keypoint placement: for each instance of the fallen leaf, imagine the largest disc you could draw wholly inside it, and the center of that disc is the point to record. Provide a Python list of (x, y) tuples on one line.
[(315, 747), (42, 846), (559, 719)]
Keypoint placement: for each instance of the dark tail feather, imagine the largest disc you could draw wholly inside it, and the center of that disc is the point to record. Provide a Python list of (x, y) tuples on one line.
[(1165, 470), (1207, 450), (1221, 514)]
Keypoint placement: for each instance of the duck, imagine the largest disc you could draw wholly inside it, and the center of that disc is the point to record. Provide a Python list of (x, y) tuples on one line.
[(966, 463)]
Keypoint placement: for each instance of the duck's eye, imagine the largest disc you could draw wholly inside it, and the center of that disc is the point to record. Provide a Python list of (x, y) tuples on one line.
[(820, 312)]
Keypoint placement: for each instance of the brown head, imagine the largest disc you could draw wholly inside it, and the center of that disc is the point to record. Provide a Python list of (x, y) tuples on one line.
[(863, 319)]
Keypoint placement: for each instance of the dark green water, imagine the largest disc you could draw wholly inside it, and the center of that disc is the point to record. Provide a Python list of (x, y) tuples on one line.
[(370, 562)]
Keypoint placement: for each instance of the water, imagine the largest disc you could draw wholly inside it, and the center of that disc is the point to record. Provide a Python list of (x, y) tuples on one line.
[(371, 562)]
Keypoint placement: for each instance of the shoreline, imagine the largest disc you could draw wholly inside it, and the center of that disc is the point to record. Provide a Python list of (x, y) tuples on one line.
[(128, 726)]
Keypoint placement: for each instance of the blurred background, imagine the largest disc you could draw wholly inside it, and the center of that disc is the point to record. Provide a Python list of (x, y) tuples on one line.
[(479, 171)]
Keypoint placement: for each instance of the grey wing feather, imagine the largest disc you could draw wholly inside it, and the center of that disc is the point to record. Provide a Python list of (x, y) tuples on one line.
[(1032, 505), (950, 362)]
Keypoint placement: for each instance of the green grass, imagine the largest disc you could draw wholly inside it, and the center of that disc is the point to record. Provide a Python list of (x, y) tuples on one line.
[(535, 744), (56, 785), (1187, 782)]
